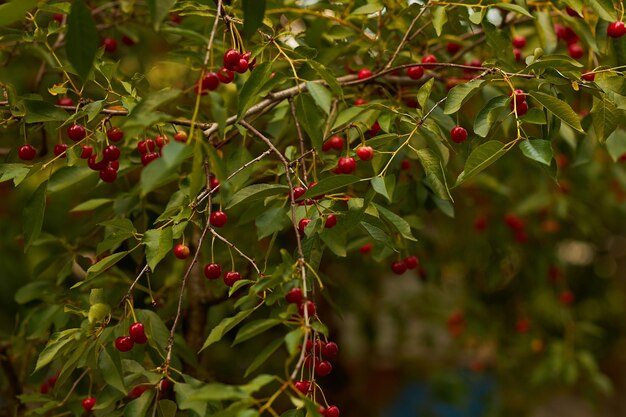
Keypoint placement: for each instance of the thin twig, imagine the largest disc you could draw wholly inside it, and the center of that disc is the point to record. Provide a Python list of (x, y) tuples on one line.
[(243, 255), (132, 286), (405, 38), (292, 106)]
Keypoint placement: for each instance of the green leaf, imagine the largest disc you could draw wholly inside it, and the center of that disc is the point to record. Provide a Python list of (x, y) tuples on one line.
[(603, 8), (253, 13), (68, 176), (15, 10), (217, 392), (82, 40), (327, 76), (139, 407), (514, 8), (397, 222), (102, 265), (545, 31), (321, 95), (561, 62), (263, 356), (257, 192), (488, 115), (167, 408), (616, 144), (253, 85), (163, 170), (145, 113), (159, 243), (33, 213), (253, 328), (460, 94), (92, 204), (38, 111), (311, 119), (439, 19), (604, 117), (157, 332), (112, 370), (372, 6), (225, 325), (480, 158), (423, 94), (98, 312), (328, 184), (375, 232), (538, 150), (15, 172), (559, 108), (435, 173), (384, 186), (271, 220), (57, 342), (158, 10)]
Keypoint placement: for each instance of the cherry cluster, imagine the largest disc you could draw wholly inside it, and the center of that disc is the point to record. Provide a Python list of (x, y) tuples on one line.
[(150, 149), (400, 267), (136, 333), (233, 62)]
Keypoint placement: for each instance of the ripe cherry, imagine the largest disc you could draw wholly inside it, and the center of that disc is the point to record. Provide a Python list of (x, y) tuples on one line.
[(310, 308), (89, 403), (429, 59), (115, 134), (517, 54), (58, 17), (519, 41), (298, 192), (458, 134), (214, 182), (124, 343), (360, 102), (323, 368), (567, 297), (218, 218), (161, 141), (137, 332), (225, 75), (336, 142), (76, 132), (44, 388), (364, 73), (96, 166), (514, 221), (302, 386), (480, 223), (65, 101), (365, 153), (332, 411), (346, 165), (575, 51), (411, 262), (522, 326), (519, 95), (415, 73), (302, 225), (127, 40), (145, 146), (331, 221), (26, 152), (242, 66), (231, 59), (181, 251), (588, 76), (231, 277), (374, 129), (108, 174), (212, 271), (294, 296), (180, 136), (616, 29), (251, 64), (571, 12), (110, 44), (365, 249), (330, 349), (405, 165), (149, 157), (398, 267), (453, 47), (111, 153), (137, 391), (210, 81)]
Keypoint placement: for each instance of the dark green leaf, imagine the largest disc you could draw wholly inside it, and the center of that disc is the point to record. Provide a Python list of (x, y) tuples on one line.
[(423, 94), (253, 12), (562, 62), (538, 150), (480, 158), (217, 392), (439, 19), (616, 144), (250, 90), (603, 8), (460, 94), (263, 356), (55, 344), (15, 10), (328, 184), (139, 407), (38, 111), (604, 117), (163, 170), (397, 222), (488, 115), (158, 243), (253, 328), (15, 172), (271, 220), (157, 332), (112, 370), (158, 10), (102, 265), (384, 186), (82, 40), (514, 8), (327, 76), (435, 173), (559, 108), (92, 204), (33, 214), (225, 325), (257, 192), (68, 176), (145, 114), (311, 119), (321, 95)]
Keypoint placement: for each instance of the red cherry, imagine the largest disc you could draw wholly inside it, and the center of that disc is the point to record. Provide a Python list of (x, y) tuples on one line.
[(411, 262), (458, 134), (96, 166), (137, 391), (298, 192), (110, 44), (76, 132), (181, 251), (242, 66), (588, 76), (231, 59), (415, 73), (210, 81), (225, 75), (517, 53), (365, 153), (212, 271), (111, 153), (86, 151), (560, 31), (302, 225), (65, 101), (175, 18), (398, 267), (429, 59), (519, 95), (218, 218), (514, 221), (294, 296), (127, 40), (231, 277), (575, 51), (480, 223), (161, 141), (360, 102), (114, 164), (108, 174), (323, 368), (58, 17), (331, 221), (213, 182), (115, 134), (44, 388), (330, 349), (522, 108), (522, 326), (405, 165), (332, 411), (149, 157), (26, 152), (364, 73), (567, 297), (89, 403), (453, 48), (124, 343), (310, 308), (302, 386), (336, 142), (519, 41), (346, 165), (137, 332), (374, 129), (251, 64), (180, 136), (52, 380), (616, 29), (367, 248), (165, 384), (572, 12)]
